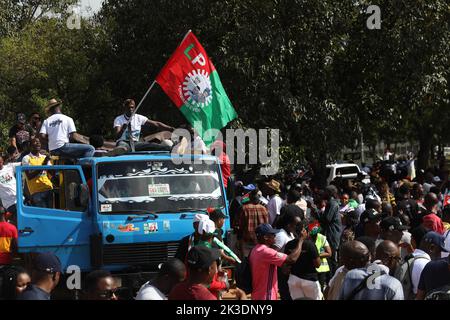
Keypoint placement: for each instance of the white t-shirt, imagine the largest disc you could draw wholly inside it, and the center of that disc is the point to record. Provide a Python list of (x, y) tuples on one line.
[(274, 207), (150, 292), (58, 127), (281, 239), (8, 185), (136, 124), (418, 266)]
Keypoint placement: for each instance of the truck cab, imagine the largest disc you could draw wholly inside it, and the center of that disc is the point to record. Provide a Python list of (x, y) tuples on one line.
[(120, 213)]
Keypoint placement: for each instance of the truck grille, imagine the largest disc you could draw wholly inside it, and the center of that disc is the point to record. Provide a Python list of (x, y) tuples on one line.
[(139, 253)]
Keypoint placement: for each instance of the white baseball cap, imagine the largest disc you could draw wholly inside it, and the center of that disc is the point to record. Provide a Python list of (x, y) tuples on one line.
[(206, 226), (200, 217)]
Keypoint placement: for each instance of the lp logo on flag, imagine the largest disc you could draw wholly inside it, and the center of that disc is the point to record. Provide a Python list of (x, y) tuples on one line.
[(197, 90)]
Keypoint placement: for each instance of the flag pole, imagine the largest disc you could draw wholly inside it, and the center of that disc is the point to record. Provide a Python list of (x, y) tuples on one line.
[(142, 100), (134, 112)]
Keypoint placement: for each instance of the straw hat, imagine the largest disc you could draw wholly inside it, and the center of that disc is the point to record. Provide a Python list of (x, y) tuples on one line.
[(274, 185), (52, 103)]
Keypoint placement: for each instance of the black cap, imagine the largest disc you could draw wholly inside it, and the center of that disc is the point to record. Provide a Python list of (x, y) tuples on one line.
[(201, 257), (264, 229), (392, 223), (435, 238), (47, 262), (216, 215), (370, 215)]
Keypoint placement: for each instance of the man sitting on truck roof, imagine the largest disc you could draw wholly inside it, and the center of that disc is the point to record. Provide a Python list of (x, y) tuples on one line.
[(59, 129), (130, 121)]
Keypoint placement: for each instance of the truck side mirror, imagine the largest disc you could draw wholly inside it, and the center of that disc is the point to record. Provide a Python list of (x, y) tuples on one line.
[(83, 196), (79, 194)]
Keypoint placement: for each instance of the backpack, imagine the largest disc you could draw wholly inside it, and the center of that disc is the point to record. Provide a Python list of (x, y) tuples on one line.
[(244, 275), (441, 293), (404, 275), (363, 285)]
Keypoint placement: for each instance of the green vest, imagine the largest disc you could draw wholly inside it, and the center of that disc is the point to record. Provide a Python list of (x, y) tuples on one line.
[(320, 245)]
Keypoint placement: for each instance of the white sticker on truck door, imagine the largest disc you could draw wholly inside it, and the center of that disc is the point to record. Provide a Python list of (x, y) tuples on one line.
[(162, 189), (106, 207)]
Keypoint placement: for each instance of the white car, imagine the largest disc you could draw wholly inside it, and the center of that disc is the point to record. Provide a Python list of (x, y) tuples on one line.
[(345, 171)]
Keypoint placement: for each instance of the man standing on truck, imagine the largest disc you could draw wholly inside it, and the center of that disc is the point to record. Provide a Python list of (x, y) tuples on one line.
[(38, 182), (8, 186), (130, 121), (59, 129)]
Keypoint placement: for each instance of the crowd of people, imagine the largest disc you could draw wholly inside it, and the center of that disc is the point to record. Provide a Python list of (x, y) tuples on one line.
[(384, 240)]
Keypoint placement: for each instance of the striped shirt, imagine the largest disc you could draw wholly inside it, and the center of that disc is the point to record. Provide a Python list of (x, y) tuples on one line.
[(251, 216)]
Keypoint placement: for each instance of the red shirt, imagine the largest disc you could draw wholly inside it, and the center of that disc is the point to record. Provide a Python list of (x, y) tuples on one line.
[(189, 291), (216, 286), (263, 263), (225, 167), (8, 232), (224, 161)]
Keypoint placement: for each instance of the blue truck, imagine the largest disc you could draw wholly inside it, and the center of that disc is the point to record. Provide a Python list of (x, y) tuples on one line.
[(126, 214)]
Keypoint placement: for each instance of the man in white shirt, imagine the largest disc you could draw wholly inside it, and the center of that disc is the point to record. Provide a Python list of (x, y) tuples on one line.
[(275, 201), (291, 216), (170, 274), (59, 130), (8, 185), (123, 125), (429, 248)]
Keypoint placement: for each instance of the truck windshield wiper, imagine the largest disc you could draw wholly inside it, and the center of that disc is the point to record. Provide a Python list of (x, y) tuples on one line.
[(140, 214), (192, 210)]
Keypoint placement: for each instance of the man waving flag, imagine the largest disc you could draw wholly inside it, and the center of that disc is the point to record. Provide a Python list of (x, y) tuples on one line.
[(191, 81)]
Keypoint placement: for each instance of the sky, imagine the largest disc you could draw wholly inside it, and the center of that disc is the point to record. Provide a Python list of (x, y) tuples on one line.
[(94, 4)]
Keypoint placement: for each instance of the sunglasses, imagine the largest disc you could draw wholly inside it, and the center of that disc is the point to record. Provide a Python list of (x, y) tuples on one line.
[(108, 294), (398, 258)]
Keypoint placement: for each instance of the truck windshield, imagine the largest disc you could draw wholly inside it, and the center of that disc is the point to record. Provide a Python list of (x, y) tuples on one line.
[(157, 186)]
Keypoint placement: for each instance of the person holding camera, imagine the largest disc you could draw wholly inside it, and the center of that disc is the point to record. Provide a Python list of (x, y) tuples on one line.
[(38, 182)]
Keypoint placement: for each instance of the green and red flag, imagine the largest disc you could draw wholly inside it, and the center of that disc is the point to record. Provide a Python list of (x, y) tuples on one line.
[(191, 81)]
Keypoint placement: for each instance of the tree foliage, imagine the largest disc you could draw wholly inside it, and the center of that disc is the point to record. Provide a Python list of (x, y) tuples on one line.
[(310, 68)]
